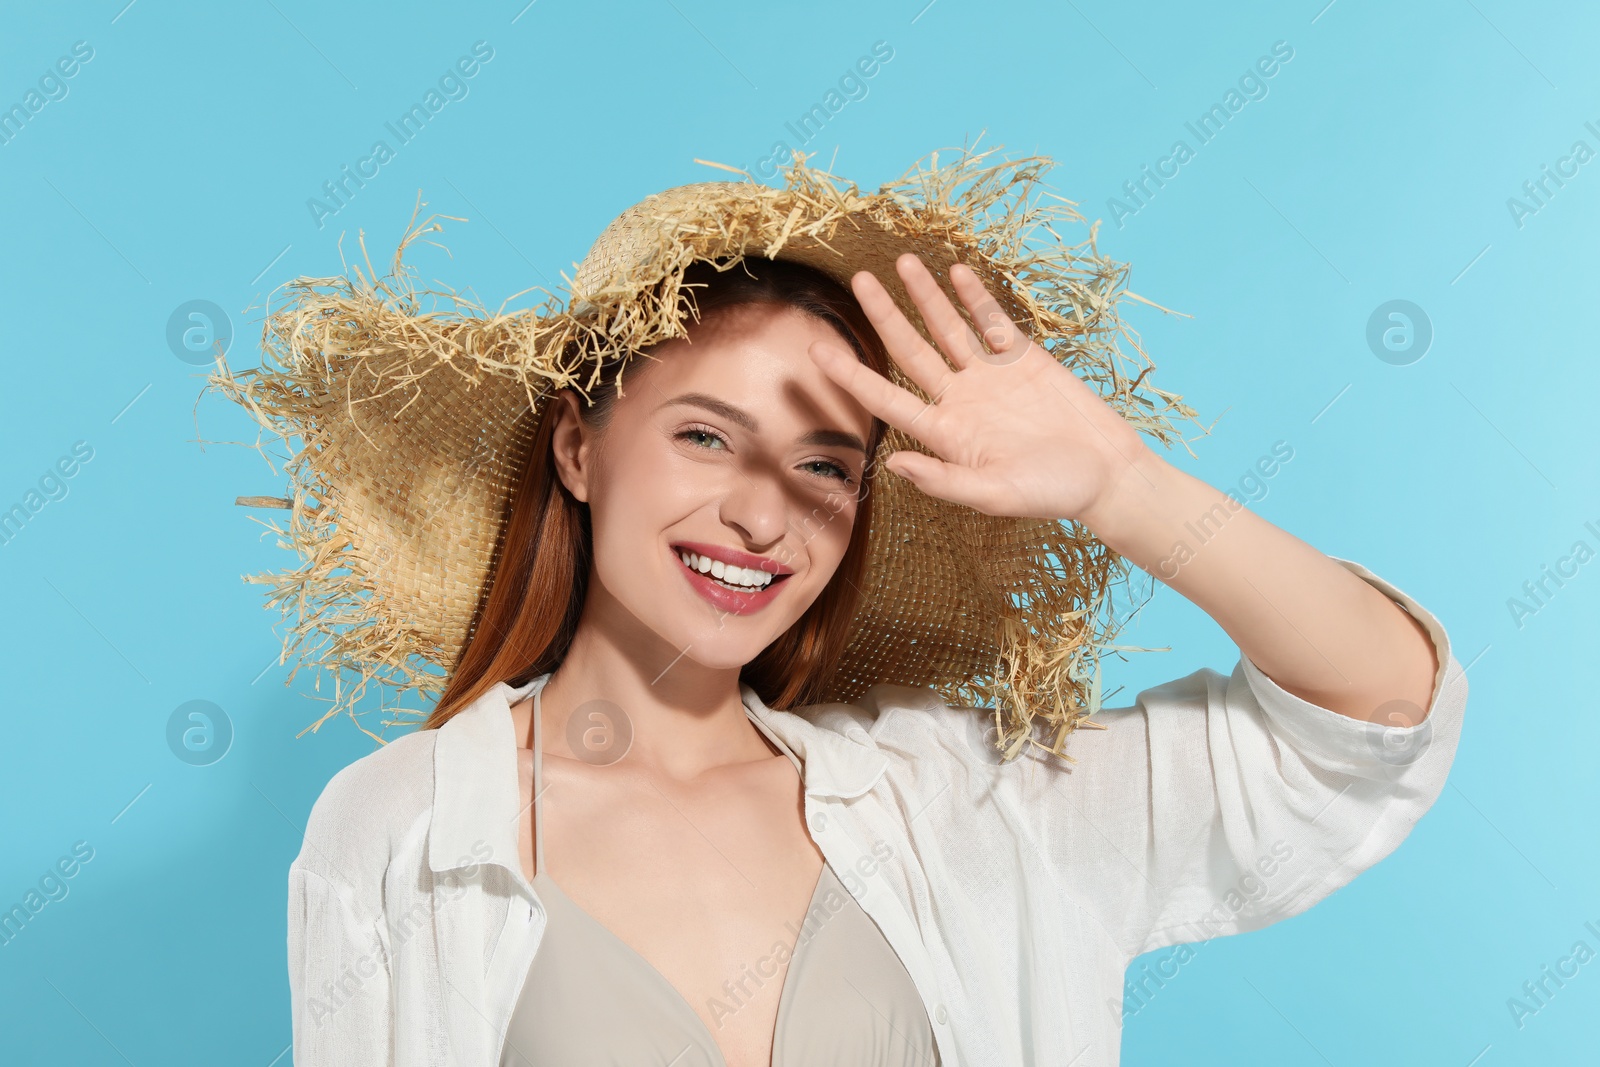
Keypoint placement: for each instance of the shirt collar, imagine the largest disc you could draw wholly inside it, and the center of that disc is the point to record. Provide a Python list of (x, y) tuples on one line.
[(477, 803)]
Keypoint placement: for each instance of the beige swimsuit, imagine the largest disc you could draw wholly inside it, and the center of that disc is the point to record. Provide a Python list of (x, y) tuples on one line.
[(590, 999)]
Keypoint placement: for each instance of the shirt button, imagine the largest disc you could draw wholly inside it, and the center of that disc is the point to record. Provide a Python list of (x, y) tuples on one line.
[(940, 1014)]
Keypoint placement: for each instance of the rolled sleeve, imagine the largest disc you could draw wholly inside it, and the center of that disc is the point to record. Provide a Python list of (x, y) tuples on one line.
[(1388, 775), (1217, 805)]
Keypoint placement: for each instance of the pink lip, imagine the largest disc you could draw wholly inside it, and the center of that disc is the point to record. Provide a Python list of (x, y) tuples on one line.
[(720, 596)]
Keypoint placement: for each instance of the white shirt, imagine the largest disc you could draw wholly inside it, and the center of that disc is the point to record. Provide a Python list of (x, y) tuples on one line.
[(1015, 894)]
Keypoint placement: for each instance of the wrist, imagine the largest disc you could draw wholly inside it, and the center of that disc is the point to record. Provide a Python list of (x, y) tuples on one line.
[(1132, 502)]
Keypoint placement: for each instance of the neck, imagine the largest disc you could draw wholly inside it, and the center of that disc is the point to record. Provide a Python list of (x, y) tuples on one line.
[(686, 718)]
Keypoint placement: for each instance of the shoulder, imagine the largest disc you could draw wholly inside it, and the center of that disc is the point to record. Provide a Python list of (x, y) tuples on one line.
[(881, 708), (893, 707), (915, 723), (368, 810)]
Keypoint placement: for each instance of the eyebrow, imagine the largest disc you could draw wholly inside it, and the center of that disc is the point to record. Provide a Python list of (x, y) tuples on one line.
[(740, 417)]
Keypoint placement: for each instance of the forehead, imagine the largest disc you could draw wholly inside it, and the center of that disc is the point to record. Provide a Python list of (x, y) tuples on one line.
[(755, 356), (730, 335)]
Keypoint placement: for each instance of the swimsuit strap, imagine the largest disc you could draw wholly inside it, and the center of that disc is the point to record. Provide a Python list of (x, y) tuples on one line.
[(538, 785)]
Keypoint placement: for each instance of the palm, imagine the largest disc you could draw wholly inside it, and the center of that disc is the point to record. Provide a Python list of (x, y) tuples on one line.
[(1013, 431)]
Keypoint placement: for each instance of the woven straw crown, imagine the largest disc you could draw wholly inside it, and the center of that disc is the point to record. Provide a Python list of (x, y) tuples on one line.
[(409, 428)]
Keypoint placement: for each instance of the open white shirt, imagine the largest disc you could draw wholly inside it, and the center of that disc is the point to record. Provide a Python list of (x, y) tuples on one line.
[(1015, 894)]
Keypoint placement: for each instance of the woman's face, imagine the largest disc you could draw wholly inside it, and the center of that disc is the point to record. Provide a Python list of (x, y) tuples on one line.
[(722, 490)]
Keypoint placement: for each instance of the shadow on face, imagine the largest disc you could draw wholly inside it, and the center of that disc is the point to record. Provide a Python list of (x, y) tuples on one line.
[(723, 487)]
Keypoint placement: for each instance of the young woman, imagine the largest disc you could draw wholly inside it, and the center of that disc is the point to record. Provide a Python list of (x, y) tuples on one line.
[(607, 848)]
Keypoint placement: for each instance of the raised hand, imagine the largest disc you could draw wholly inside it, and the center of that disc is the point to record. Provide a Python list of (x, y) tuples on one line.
[(1013, 431)]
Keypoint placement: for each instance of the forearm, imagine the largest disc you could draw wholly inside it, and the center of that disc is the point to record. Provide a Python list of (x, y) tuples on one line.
[(1311, 625)]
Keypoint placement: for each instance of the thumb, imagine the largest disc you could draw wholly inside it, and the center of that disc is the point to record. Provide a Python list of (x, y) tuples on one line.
[(948, 481)]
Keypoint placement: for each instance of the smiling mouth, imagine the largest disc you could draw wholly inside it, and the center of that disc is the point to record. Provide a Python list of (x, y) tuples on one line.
[(737, 579)]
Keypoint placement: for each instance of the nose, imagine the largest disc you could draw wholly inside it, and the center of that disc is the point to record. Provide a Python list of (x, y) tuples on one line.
[(757, 508)]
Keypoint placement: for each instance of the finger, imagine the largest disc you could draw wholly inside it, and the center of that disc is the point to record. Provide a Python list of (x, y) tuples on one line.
[(955, 337), (1006, 342), (947, 481), (898, 407), (910, 351)]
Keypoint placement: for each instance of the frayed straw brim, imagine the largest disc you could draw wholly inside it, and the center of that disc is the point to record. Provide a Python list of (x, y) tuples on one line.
[(408, 424)]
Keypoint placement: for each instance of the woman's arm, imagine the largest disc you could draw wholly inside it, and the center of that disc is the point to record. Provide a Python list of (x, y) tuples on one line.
[(1215, 803), (1015, 432), (1309, 623)]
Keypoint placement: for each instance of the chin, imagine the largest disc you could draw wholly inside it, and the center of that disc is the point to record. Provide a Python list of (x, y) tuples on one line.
[(727, 644)]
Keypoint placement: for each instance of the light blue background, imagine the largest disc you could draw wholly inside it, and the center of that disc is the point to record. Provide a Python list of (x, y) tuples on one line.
[(1377, 167)]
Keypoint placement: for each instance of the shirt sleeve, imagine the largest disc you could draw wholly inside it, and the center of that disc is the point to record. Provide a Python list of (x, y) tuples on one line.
[(339, 980), (1216, 805)]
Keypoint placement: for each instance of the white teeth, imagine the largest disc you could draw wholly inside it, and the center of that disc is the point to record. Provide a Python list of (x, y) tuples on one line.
[(726, 573)]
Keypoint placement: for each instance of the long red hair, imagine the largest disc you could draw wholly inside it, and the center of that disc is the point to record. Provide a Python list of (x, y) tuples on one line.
[(536, 588)]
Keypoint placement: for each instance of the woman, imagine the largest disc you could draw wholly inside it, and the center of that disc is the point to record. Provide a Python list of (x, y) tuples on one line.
[(680, 871)]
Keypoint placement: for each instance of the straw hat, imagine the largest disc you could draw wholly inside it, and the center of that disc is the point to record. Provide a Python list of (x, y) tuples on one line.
[(408, 425)]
